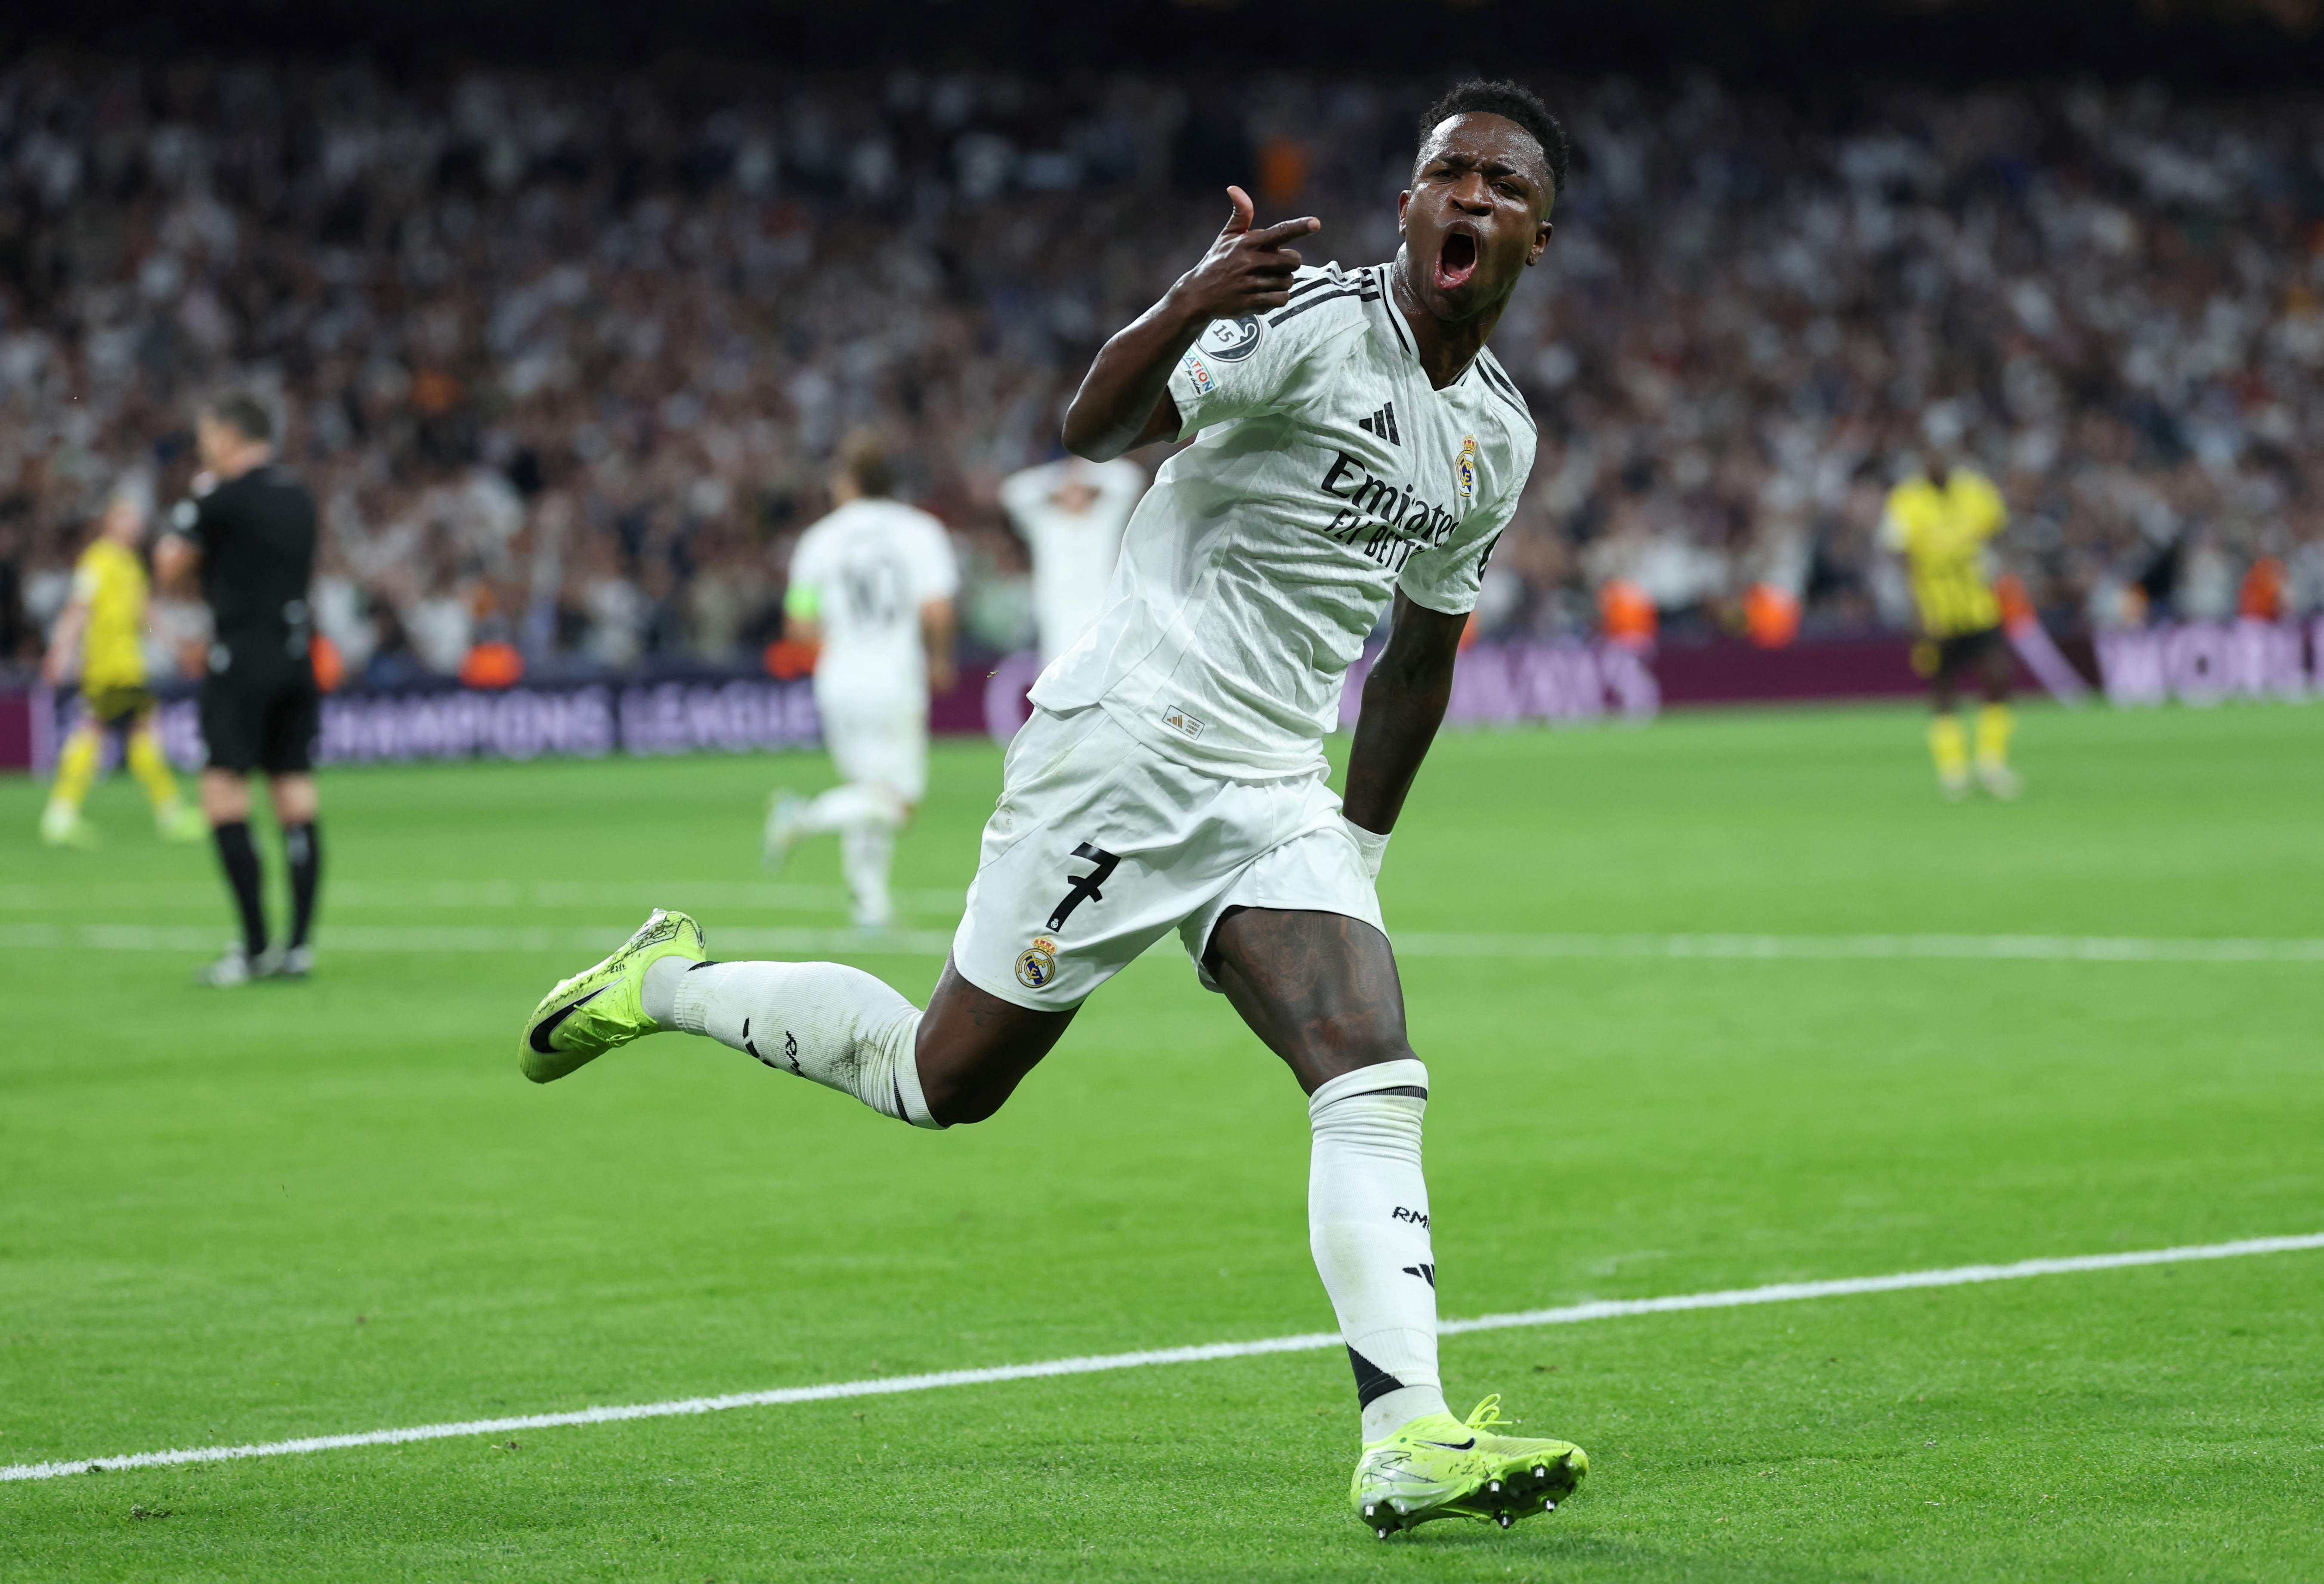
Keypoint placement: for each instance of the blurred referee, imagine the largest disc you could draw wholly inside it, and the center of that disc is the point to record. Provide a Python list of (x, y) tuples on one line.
[(249, 530)]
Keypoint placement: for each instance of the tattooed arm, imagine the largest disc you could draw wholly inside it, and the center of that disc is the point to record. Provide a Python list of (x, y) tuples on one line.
[(1403, 702)]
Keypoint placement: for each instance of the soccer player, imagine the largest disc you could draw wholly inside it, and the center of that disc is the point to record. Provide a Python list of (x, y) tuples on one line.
[(1942, 520), (873, 584), (100, 637), (1071, 514), (1355, 445), (248, 532)]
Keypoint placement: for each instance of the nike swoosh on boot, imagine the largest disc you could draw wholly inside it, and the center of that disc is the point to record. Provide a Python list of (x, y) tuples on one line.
[(548, 1025)]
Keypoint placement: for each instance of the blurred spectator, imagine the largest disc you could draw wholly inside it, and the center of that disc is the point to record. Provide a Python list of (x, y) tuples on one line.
[(566, 356)]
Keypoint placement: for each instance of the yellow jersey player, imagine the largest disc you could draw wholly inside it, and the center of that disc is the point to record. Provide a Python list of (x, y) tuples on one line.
[(100, 639), (1942, 520)]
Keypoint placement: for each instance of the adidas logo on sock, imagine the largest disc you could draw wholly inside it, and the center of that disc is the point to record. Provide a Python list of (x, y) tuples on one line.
[(1383, 424)]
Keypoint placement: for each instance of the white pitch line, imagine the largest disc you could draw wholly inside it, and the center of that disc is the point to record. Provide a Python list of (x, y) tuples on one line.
[(467, 939), (1859, 948), (421, 895), (1097, 1364), (368, 940)]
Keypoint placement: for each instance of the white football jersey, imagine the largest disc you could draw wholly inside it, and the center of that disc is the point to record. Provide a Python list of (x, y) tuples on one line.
[(1074, 552), (1328, 475), (863, 573)]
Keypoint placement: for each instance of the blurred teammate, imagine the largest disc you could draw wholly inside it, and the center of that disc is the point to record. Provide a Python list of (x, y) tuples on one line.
[(1071, 513), (1942, 520), (100, 639), (249, 532), (1358, 447), (874, 584)]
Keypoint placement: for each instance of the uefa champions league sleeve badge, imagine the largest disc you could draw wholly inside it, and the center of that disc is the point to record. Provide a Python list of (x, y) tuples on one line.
[(1228, 340)]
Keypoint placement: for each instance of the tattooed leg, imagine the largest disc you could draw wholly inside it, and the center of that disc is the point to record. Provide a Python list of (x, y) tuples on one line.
[(975, 1048), (1322, 990)]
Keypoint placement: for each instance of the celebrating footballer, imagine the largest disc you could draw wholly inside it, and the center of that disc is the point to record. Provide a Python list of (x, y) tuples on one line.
[(1354, 445)]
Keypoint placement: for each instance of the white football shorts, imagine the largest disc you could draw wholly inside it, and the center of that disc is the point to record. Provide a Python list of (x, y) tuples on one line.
[(1100, 843), (877, 736)]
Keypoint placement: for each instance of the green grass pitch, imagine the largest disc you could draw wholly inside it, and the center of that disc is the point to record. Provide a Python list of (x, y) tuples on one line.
[(336, 1206)]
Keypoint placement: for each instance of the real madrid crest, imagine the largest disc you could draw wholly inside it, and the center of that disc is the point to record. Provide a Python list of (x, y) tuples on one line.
[(1465, 469), (1037, 965)]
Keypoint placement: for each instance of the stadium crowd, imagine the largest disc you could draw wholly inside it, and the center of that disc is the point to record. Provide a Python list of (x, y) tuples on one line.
[(566, 358)]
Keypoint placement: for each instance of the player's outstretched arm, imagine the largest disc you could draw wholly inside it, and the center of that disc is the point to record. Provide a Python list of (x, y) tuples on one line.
[(1124, 401), (1404, 704)]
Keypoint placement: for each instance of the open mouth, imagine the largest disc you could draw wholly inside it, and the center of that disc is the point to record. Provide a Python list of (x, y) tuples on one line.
[(1456, 261)]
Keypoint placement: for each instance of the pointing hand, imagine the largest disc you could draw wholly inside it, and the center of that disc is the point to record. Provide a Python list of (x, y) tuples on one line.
[(1245, 271)]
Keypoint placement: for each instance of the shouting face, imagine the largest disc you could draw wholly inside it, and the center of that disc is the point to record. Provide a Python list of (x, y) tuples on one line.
[(1476, 215)]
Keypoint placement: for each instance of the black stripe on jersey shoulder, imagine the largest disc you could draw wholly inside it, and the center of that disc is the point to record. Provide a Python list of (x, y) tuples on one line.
[(1325, 275), (1395, 314), (1496, 375), (1517, 405), (1362, 293), (1501, 385)]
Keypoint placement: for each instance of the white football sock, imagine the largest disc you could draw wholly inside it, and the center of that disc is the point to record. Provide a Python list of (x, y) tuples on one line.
[(857, 803), (867, 815), (1368, 1226), (865, 852), (836, 1024)]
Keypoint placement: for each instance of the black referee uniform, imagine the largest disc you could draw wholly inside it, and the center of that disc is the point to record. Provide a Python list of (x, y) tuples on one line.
[(261, 710), (260, 707)]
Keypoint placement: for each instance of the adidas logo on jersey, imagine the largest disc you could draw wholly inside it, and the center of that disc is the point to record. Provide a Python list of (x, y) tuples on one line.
[(1383, 424), (1176, 719)]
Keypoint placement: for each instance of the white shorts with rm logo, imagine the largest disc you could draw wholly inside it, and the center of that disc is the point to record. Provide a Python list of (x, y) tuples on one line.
[(1099, 845)]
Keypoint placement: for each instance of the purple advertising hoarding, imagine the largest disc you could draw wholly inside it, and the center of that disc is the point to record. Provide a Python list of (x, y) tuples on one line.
[(1573, 681)]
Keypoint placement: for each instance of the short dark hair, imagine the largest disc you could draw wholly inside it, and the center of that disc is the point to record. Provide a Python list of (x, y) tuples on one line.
[(243, 413), (1514, 101), (863, 458)]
